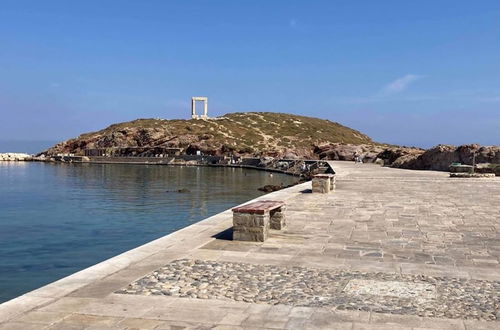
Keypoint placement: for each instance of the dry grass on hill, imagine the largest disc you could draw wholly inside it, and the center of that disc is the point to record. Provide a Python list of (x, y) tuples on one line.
[(246, 133)]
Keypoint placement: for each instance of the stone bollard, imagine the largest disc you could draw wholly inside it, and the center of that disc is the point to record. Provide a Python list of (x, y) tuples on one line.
[(323, 183)]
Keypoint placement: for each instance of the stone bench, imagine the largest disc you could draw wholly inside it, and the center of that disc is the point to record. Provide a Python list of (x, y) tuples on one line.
[(323, 183), (252, 222)]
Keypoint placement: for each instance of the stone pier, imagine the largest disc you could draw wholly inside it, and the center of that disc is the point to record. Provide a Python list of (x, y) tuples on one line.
[(391, 249)]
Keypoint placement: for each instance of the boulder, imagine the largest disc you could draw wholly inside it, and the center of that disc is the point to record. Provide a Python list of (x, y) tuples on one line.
[(440, 157)]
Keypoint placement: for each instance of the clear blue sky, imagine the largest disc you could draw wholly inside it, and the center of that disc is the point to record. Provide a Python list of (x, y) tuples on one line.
[(404, 72)]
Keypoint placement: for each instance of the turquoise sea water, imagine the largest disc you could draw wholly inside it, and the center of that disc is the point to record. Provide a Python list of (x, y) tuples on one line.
[(56, 219)]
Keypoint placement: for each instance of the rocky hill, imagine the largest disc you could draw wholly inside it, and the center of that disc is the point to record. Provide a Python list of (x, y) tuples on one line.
[(246, 134)]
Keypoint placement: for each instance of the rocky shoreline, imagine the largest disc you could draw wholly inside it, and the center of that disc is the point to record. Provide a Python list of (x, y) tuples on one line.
[(438, 158), (265, 135)]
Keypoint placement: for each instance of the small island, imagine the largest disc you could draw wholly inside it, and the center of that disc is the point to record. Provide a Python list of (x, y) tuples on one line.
[(259, 139)]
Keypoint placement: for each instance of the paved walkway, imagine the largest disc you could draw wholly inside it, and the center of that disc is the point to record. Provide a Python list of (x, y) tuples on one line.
[(390, 249)]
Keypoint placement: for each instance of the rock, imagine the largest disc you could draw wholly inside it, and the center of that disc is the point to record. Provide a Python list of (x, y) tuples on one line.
[(368, 152), (440, 157), (182, 191), (437, 158), (338, 151), (391, 154), (11, 156), (270, 188)]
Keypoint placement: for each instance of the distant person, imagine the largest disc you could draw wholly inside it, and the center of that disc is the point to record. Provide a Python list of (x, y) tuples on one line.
[(356, 157)]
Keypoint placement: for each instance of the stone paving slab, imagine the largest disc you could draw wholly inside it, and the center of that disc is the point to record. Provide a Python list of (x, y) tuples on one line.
[(398, 225)]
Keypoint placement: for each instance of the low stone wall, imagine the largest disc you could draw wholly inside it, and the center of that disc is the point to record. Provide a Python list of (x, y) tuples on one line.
[(472, 175), (461, 168), (190, 160), (173, 160), (130, 160)]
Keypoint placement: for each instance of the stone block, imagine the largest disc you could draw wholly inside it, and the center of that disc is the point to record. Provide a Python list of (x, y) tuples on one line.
[(278, 219), (250, 220), (321, 185), (252, 234), (250, 227), (332, 183)]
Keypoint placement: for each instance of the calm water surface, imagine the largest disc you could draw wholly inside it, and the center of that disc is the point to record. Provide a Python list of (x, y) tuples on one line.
[(56, 219)]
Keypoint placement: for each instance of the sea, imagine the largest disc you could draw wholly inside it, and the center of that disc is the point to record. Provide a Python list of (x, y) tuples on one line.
[(56, 218)]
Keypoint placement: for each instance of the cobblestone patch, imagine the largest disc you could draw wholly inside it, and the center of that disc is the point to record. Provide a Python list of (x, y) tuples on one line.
[(345, 290), (421, 292)]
